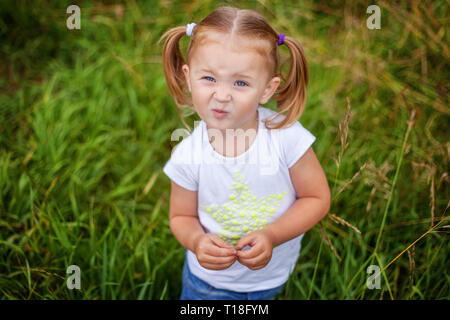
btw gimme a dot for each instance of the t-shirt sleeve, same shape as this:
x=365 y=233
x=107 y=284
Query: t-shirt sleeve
x=295 y=141
x=181 y=169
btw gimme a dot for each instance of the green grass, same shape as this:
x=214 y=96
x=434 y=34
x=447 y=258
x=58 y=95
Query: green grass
x=85 y=124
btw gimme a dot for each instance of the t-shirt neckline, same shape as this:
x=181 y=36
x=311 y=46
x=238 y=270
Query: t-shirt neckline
x=250 y=148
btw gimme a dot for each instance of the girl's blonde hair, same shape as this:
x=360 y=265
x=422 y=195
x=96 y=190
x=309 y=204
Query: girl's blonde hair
x=290 y=97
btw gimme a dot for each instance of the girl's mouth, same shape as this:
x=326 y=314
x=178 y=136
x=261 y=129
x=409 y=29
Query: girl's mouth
x=220 y=113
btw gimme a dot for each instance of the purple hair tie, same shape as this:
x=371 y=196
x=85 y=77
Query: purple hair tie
x=280 y=39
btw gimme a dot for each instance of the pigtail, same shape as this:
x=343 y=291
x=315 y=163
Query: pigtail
x=291 y=96
x=172 y=62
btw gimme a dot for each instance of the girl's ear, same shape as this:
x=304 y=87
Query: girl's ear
x=185 y=69
x=270 y=90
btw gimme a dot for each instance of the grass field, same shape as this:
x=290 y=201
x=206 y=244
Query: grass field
x=85 y=124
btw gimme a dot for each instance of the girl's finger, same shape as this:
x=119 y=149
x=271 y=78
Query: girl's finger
x=245 y=241
x=259 y=266
x=220 y=242
x=217 y=260
x=219 y=252
x=251 y=253
x=216 y=266
x=255 y=263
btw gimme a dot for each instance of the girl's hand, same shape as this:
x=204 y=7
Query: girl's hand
x=260 y=253
x=214 y=253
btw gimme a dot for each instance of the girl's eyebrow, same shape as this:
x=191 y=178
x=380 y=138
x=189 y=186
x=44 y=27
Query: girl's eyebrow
x=238 y=74
x=243 y=75
x=205 y=70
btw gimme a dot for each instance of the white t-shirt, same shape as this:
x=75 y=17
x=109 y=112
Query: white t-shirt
x=237 y=195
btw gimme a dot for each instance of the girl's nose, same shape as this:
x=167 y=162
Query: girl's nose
x=222 y=93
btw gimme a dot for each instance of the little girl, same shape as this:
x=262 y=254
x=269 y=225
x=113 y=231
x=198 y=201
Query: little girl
x=244 y=188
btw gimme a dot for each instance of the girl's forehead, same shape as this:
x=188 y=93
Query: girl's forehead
x=231 y=41
x=227 y=46
x=225 y=55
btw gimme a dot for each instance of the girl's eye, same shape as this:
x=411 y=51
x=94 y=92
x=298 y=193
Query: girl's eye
x=241 y=83
x=209 y=78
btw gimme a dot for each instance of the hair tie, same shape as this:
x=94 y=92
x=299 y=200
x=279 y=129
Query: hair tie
x=280 y=39
x=190 y=28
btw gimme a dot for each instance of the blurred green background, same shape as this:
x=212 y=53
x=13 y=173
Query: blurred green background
x=85 y=124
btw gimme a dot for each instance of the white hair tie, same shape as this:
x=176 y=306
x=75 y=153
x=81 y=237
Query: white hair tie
x=190 y=28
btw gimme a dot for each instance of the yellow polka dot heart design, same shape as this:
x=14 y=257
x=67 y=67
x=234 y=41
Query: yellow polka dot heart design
x=243 y=213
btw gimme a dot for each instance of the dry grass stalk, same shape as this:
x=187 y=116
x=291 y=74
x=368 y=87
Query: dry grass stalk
x=352 y=179
x=412 y=264
x=327 y=240
x=432 y=203
x=339 y=220
x=378 y=178
x=371 y=195
x=343 y=134
x=430 y=173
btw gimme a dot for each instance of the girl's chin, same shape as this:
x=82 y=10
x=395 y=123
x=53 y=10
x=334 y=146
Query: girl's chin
x=221 y=124
x=215 y=127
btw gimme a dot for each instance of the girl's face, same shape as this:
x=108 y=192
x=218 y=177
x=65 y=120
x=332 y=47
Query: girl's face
x=229 y=76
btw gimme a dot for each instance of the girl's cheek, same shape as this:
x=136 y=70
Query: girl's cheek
x=203 y=89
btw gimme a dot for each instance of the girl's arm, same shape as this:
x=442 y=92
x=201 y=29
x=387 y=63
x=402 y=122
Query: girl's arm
x=211 y=251
x=184 y=221
x=312 y=204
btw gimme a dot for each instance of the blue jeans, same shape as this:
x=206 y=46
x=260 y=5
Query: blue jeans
x=197 y=289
